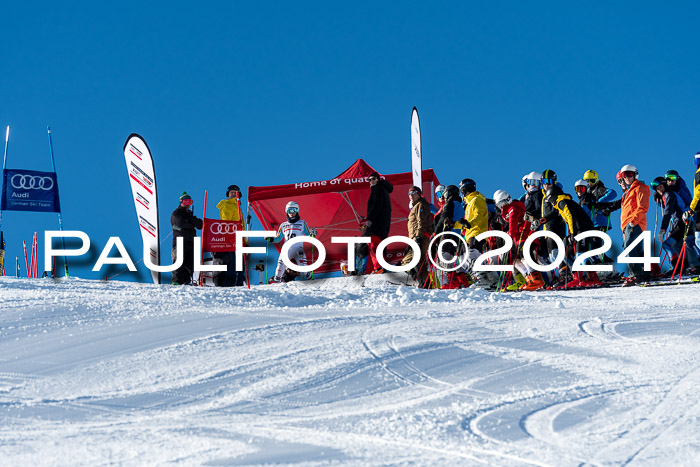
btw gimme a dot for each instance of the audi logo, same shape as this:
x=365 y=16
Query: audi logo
x=31 y=182
x=221 y=228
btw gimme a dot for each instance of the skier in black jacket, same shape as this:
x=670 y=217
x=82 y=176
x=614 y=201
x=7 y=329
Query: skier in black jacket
x=184 y=225
x=378 y=221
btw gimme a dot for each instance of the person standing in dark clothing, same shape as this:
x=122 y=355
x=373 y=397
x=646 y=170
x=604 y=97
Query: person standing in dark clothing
x=378 y=221
x=184 y=225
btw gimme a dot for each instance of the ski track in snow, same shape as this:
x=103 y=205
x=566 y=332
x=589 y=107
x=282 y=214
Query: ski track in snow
x=346 y=372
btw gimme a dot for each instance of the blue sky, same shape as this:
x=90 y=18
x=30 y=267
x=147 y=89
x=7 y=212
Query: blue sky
x=258 y=94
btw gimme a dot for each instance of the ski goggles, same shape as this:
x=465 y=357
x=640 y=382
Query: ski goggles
x=187 y=202
x=547 y=181
x=413 y=192
x=591 y=181
x=532 y=182
x=371 y=179
x=654 y=184
x=671 y=177
x=580 y=189
x=292 y=211
x=627 y=173
x=439 y=194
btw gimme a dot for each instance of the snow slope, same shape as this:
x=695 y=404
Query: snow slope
x=337 y=373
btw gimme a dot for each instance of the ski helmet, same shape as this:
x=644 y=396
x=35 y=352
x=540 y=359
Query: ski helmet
x=534 y=178
x=629 y=168
x=414 y=189
x=658 y=181
x=185 y=199
x=591 y=176
x=292 y=209
x=671 y=175
x=524 y=181
x=697 y=160
x=581 y=186
x=549 y=177
x=467 y=186
x=439 y=191
x=501 y=198
x=451 y=192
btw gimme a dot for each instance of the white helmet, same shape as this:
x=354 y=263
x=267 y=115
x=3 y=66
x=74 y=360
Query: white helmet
x=291 y=206
x=501 y=197
x=439 y=190
x=535 y=176
x=533 y=181
x=524 y=180
x=630 y=168
x=581 y=182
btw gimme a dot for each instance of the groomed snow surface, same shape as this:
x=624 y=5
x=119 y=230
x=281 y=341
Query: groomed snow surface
x=346 y=373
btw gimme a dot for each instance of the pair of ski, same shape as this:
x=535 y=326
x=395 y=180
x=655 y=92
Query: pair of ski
x=653 y=283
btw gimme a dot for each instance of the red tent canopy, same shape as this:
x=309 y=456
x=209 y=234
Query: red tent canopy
x=336 y=206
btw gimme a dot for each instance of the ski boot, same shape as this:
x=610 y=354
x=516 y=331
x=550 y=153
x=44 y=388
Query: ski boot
x=533 y=282
x=592 y=281
x=519 y=282
x=573 y=283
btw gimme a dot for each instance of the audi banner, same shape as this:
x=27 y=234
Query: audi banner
x=220 y=235
x=142 y=176
x=29 y=190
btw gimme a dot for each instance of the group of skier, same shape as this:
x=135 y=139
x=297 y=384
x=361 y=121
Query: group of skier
x=462 y=213
x=546 y=206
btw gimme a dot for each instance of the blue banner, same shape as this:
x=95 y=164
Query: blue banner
x=29 y=190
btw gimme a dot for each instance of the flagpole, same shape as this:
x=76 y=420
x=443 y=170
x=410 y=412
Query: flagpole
x=60 y=219
x=4 y=163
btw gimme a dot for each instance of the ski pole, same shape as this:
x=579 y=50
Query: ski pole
x=656 y=220
x=684 y=249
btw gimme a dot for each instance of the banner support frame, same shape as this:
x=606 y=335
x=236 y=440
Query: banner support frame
x=60 y=217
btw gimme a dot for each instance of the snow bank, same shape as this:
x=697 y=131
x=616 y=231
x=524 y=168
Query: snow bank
x=346 y=371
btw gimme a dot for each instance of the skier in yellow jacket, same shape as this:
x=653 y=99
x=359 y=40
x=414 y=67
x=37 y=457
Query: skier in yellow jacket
x=230 y=210
x=475 y=222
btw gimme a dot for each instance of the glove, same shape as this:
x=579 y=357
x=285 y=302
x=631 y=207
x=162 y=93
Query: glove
x=662 y=234
x=605 y=211
x=570 y=240
x=537 y=223
x=465 y=223
x=657 y=197
x=313 y=232
x=368 y=223
x=688 y=215
x=269 y=239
